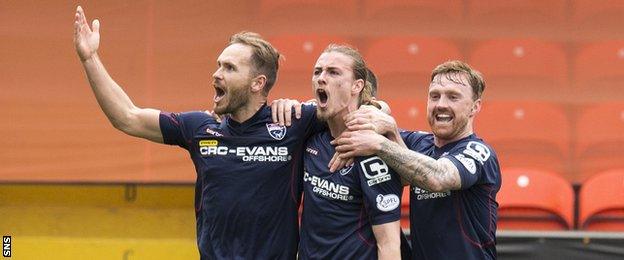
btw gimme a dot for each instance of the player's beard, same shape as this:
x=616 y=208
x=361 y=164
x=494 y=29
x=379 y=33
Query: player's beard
x=238 y=97
x=458 y=126
x=322 y=116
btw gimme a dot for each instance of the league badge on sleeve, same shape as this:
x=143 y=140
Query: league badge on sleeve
x=469 y=163
x=388 y=202
x=276 y=131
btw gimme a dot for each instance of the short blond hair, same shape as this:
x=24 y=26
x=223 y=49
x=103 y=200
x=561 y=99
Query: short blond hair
x=455 y=67
x=264 y=58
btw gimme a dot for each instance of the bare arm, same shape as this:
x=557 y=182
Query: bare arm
x=417 y=169
x=388 y=238
x=420 y=170
x=115 y=103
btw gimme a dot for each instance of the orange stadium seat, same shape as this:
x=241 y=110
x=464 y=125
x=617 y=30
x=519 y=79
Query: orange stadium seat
x=405 y=209
x=534 y=200
x=300 y=54
x=409 y=114
x=599 y=71
x=600 y=138
x=521 y=69
x=403 y=64
x=601 y=202
x=413 y=10
x=516 y=11
x=598 y=14
x=526 y=133
x=293 y=9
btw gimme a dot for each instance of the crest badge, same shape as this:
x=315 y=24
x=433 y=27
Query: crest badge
x=276 y=131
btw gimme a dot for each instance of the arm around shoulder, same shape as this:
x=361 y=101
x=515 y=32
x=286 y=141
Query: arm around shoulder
x=419 y=169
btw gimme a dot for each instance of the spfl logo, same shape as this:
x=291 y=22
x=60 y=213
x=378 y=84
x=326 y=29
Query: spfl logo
x=388 y=202
x=276 y=131
x=6 y=246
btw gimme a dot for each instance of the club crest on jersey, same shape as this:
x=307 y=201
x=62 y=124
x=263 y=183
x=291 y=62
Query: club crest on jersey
x=345 y=170
x=276 y=131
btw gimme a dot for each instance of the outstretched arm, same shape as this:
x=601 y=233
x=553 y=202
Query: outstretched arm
x=115 y=103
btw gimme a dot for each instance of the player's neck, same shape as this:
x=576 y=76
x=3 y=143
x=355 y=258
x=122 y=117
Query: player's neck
x=247 y=111
x=336 y=124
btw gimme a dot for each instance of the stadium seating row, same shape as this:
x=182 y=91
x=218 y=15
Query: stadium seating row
x=514 y=68
x=575 y=142
x=532 y=199
x=581 y=11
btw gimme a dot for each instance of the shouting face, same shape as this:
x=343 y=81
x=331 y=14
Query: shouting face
x=334 y=85
x=233 y=78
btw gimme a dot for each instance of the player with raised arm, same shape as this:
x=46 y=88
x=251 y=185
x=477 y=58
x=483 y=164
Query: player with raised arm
x=249 y=170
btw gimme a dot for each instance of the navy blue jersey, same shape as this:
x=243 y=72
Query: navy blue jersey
x=457 y=224
x=339 y=209
x=248 y=185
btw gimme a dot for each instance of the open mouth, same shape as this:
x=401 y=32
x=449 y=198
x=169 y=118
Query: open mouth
x=219 y=93
x=443 y=117
x=321 y=97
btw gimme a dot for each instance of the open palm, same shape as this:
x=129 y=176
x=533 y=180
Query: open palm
x=86 y=40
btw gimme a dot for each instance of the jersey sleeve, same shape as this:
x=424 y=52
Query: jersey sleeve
x=179 y=128
x=475 y=161
x=412 y=138
x=381 y=190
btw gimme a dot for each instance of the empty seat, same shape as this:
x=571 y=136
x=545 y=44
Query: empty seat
x=605 y=14
x=516 y=12
x=600 y=138
x=599 y=71
x=413 y=10
x=300 y=54
x=526 y=133
x=522 y=69
x=280 y=14
x=410 y=114
x=403 y=64
x=405 y=208
x=601 y=202
x=532 y=199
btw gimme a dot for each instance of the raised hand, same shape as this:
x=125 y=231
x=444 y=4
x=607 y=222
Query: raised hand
x=86 y=40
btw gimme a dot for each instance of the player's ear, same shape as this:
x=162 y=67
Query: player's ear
x=258 y=83
x=357 y=86
x=476 y=107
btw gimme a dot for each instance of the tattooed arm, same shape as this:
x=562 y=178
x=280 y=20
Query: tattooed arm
x=420 y=170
